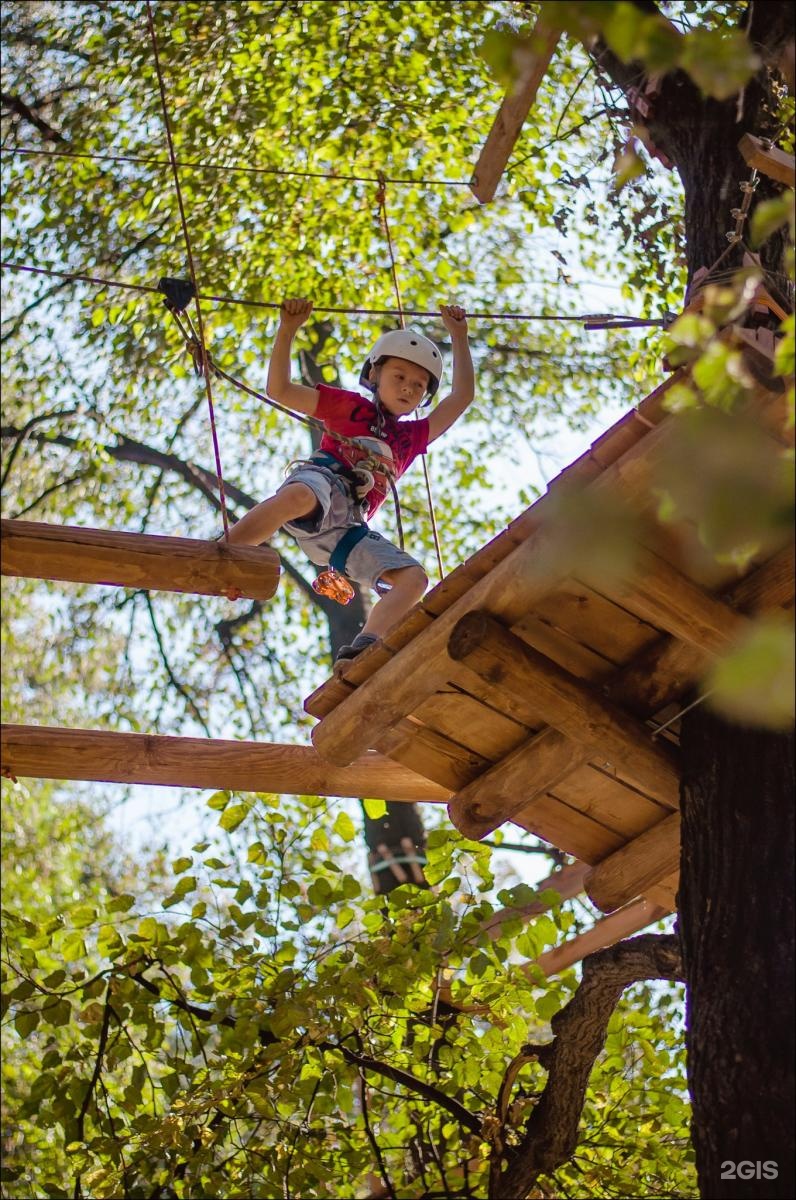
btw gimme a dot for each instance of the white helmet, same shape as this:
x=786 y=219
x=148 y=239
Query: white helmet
x=408 y=344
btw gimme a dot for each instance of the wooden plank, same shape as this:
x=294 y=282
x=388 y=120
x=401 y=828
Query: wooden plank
x=431 y=755
x=136 y=560
x=560 y=647
x=569 y=830
x=772 y=161
x=622 y=808
x=603 y=933
x=629 y=872
x=665 y=892
x=512 y=113
x=668 y=599
x=595 y=622
x=465 y=720
x=42 y=752
x=663 y=672
x=421 y=668
x=644 y=686
x=570 y=706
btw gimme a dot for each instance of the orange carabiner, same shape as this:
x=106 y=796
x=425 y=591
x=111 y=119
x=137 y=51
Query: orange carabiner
x=334 y=585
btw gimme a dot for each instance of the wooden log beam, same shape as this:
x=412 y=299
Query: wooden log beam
x=775 y=163
x=572 y=707
x=627 y=873
x=43 y=752
x=137 y=560
x=660 y=594
x=512 y=113
x=605 y=932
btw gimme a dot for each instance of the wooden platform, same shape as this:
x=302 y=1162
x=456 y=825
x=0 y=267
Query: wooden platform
x=530 y=684
x=137 y=560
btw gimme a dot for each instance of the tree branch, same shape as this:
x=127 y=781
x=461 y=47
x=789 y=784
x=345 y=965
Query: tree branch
x=551 y=1134
x=363 y=1061
x=81 y=1116
x=16 y=104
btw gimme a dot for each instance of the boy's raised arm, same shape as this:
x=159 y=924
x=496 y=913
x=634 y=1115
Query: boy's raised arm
x=280 y=387
x=462 y=390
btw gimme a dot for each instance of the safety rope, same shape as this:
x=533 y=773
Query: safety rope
x=191 y=269
x=381 y=197
x=245 y=302
x=227 y=167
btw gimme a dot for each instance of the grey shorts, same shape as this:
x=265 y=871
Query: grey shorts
x=318 y=535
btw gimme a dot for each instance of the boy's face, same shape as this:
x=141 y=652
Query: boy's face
x=402 y=385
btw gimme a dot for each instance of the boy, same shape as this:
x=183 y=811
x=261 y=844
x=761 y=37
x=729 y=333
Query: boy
x=324 y=502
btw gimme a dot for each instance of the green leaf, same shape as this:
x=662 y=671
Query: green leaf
x=233 y=817
x=26 y=1022
x=771 y=215
x=548 y=1005
x=344 y=827
x=755 y=683
x=219 y=800
x=375 y=809
x=181 y=864
x=344 y=917
x=319 y=840
x=721 y=62
x=82 y=916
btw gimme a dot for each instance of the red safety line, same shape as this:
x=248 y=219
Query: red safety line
x=381 y=196
x=192 y=271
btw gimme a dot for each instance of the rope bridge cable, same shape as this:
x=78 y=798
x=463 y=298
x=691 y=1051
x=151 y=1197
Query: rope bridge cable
x=245 y=302
x=381 y=197
x=145 y=160
x=191 y=268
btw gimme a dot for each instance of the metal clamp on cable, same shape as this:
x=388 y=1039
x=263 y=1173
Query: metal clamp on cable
x=178 y=293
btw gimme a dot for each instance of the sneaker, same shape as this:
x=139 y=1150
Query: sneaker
x=360 y=643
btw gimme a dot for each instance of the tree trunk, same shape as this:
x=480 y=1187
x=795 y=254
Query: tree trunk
x=736 y=929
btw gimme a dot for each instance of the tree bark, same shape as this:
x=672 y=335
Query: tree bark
x=736 y=881
x=736 y=928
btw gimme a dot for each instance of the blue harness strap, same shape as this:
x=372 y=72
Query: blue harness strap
x=352 y=537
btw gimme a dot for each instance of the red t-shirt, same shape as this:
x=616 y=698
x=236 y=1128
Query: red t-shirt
x=354 y=416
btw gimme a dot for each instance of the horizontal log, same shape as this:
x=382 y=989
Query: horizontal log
x=43 y=752
x=512 y=114
x=580 y=714
x=151 y=562
x=664 y=597
x=772 y=161
x=627 y=873
x=605 y=932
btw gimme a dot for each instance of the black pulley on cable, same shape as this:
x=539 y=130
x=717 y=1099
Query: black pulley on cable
x=178 y=293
